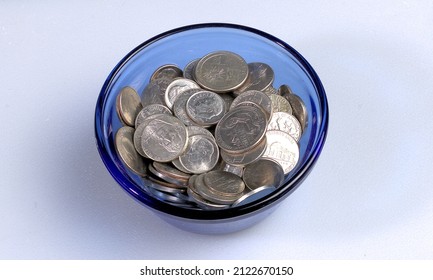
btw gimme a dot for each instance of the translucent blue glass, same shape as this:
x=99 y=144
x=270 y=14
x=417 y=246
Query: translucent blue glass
x=180 y=46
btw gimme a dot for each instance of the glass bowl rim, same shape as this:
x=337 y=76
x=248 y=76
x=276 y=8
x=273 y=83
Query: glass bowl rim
x=222 y=214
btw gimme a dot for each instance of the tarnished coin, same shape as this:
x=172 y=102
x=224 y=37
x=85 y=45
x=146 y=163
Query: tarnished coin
x=256 y=97
x=241 y=129
x=209 y=195
x=280 y=104
x=263 y=173
x=282 y=148
x=168 y=71
x=260 y=77
x=242 y=159
x=150 y=110
x=224 y=183
x=175 y=88
x=164 y=138
x=124 y=145
x=179 y=107
x=287 y=123
x=298 y=107
x=154 y=92
x=201 y=154
x=188 y=71
x=205 y=108
x=196 y=181
x=221 y=71
x=128 y=105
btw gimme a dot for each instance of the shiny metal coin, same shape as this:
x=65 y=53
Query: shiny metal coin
x=168 y=71
x=176 y=162
x=201 y=154
x=188 y=71
x=241 y=129
x=170 y=171
x=260 y=77
x=198 y=130
x=164 y=138
x=175 y=88
x=237 y=170
x=270 y=90
x=175 y=182
x=125 y=149
x=157 y=183
x=198 y=199
x=287 y=123
x=139 y=133
x=257 y=97
x=263 y=173
x=205 y=108
x=242 y=159
x=280 y=104
x=150 y=110
x=221 y=71
x=298 y=107
x=250 y=196
x=224 y=183
x=154 y=92
x=214 y=196
x=179 y=107
x=166 y=197
x=128 y=105
x=282 y=148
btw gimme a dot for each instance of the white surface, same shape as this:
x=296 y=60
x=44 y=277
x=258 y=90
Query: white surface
x=369 y=197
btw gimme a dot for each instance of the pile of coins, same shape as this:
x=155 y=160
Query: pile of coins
x=213 y=136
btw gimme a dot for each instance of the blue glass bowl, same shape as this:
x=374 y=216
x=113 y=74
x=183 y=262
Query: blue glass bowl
x=180 y=46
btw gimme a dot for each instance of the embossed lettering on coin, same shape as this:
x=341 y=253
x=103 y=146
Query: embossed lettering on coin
x=205 y=108
x=287 y=123
x=282 y=148
x=201 y=154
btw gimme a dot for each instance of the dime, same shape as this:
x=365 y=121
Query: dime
x=164 y=138
x=282 y=148
x=126 y=151
x=241 y=129
x=280 y=104
x=241 y=159
x=139 y=133
x=150 y=110
x=298 y=107
x=128 y=105
x=221 y=71
x=188 y=71
x=287 y=123
x=263 y=173
x=260 y=77
x=201 y=154
x=205 y=108
x=179 y=107
x=168 y=71
x=175 y=88
x=256 y=97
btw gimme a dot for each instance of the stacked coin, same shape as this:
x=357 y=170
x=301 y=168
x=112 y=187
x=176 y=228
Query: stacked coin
x=213 y=136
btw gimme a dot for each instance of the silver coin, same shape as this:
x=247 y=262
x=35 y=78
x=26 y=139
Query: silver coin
x=241 y=129
x=256 y=97
x=175 y=88
x=128 y=105
x=201 y=154
x=221 y=71
x=188 y=71
x=209 y=195
x=280 y=104
x=179 y=107
x=205 y=108
x=197 y=182
x=154 y=92
x=251 y=196
x=198 y=130
x=161 y=185
x=150 y=110
x=124 y=146
x=270 y=90
x=286 y=122
x=176 y=162
x=171 y=182
x=263 y=173
x=298 y=107
x=282 y=148
x=166 y=197
x=224 y=183
x=139 y=133
x=260 y=77
x=228 y=99
x=170 y=171
x=164 y=138
x=168 y=71
x=242 y=159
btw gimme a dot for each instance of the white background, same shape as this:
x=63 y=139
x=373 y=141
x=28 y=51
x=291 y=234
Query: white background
x=370 y=195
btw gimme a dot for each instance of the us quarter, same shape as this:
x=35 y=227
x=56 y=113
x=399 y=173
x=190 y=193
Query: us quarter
x=154 y=92
x=263 y=173
x=221 y=71
x=242 y=159
x=256 y=97
x=260 y=77
x=179 y=107
x=188 y=71
x=168 y=71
